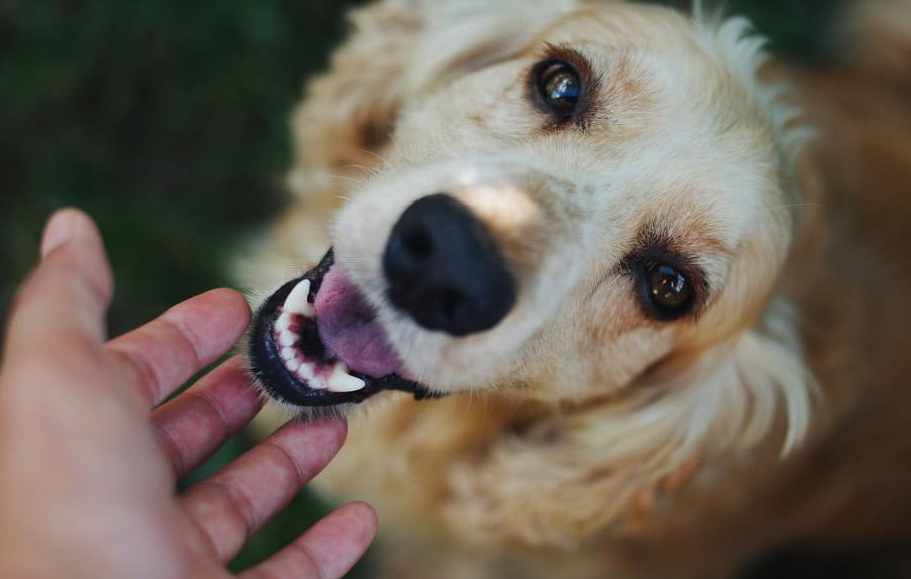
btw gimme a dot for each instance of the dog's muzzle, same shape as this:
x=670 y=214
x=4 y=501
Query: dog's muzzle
x=317 y=341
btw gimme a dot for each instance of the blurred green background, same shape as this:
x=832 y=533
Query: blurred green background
x=167 y=121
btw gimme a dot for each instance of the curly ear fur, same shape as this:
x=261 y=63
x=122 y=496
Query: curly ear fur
x=575 y=474
x=349 y=110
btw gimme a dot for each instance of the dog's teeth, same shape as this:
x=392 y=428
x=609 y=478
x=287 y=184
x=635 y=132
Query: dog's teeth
x=296 y=302
x=307 y=373
x=341 y=381
x=288 y=354
x=292 y=364
x=286 y=338
x=283 y=323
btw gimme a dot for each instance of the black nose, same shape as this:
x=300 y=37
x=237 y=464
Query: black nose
x=444 y=268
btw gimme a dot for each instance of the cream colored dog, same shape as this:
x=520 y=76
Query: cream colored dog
x=582 y=224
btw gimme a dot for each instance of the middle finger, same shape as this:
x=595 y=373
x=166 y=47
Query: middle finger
x=194 y=425
x=163 y=354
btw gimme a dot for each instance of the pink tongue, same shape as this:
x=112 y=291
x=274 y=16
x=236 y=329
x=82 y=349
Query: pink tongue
x=349 y=329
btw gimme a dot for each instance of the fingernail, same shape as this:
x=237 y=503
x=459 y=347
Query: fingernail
x=59 y=230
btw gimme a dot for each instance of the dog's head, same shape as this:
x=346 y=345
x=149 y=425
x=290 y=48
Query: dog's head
x=578 y=201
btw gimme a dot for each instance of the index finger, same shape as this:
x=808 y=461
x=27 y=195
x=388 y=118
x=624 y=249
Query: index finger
x=163 y=354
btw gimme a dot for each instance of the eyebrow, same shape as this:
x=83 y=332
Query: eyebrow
x=653 y=234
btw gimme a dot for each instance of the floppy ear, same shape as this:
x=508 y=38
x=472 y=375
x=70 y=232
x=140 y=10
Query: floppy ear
x=398 y=49
x=570 y=476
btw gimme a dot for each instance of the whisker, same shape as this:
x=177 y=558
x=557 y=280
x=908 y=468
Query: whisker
x=367 y=170
x=379 y=157
x=348 y=179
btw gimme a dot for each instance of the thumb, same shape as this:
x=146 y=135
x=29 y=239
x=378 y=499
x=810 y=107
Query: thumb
x=63 y=302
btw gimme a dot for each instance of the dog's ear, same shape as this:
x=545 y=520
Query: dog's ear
x=599 y=466
x=396 y=50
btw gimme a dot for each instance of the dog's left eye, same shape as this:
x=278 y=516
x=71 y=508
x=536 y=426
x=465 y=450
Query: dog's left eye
x=669 y=292
x=559 y=88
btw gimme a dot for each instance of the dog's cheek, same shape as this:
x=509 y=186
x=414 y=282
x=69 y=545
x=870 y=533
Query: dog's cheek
x=605 y=343
x=628 y=356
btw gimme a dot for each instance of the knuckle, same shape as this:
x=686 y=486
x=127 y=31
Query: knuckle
x=235 y=503
x=146 y=378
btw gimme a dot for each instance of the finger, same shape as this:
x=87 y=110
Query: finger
x=232 y=504
x=198 y=422
x=327 y=551
x=60 y=307
x=163 y=354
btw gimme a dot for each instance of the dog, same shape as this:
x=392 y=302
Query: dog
x=610 y=293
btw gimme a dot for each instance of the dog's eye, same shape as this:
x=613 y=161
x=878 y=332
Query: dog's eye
x=559 y=88
x=669 y=291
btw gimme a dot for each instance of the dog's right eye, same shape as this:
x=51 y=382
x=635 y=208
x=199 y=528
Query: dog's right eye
x=559 y=88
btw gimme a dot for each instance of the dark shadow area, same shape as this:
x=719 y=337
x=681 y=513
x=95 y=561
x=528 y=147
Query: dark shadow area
x=874 y=562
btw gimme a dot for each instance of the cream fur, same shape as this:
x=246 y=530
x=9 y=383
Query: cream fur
x=577 y=418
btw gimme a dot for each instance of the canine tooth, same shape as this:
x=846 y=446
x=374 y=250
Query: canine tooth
x=342 y=381
x=283 y=322
x=286 y=338
x=288 y=354
x=296 y=302
x=292 y=364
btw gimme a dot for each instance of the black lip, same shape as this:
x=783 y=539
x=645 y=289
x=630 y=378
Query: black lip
x=281 y=385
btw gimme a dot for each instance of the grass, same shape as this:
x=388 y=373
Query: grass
x=167 y=121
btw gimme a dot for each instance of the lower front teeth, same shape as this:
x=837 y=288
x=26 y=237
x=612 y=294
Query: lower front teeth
x=307 y=373
x=339 y=380
x=283 y=323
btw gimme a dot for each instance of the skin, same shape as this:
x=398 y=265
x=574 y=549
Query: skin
x=88 y=471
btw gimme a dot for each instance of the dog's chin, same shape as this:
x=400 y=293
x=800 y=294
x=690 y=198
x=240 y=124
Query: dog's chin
x=317 y=343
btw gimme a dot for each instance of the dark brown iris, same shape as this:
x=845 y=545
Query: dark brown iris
x=560 y=88
x=669 y=290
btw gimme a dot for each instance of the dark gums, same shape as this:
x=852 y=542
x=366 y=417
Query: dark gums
x=279 y=384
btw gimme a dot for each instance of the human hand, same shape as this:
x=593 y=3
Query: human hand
x=87 y=472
